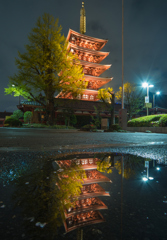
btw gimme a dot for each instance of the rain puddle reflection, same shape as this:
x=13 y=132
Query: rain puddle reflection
x=65 y=198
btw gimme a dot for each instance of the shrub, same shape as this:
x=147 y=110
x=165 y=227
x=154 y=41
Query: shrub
x=40 y=125
x=88 y=127
x=6 y=125
x=115 y=127
x=27 y=116
x=13 y=122
x=17 y=114
x=146 y=121
x=163 y=121
x=154 y=124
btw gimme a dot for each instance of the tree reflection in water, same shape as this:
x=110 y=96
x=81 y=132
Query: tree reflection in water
x=43 y=196
x=131 y=165
x=105 y=163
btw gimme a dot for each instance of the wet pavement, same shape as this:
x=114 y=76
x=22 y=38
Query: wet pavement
x=53 y=141
x=32 y=192
x=40 y=139
x=137 y=209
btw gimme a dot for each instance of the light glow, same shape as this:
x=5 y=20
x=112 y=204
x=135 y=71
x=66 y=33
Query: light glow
x=145 y=179
x=145 y=85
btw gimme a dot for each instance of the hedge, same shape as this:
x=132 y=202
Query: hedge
x=12 y=122
x=149 y=121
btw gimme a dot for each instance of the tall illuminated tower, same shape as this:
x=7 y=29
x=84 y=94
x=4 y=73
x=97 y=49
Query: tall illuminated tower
x=90 y=55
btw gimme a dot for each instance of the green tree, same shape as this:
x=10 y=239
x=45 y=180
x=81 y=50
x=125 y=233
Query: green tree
x=96 y=119
x=47 y=67
x=133 y=99
x=17 y=114
x=108 y=98
x=27 y=116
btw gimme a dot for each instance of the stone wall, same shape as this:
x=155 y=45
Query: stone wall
x=144 y=129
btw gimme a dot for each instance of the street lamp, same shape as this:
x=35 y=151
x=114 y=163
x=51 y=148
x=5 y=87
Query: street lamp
x=146 y=85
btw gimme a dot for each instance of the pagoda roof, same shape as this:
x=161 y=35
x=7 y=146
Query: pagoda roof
x=87 y=50
x=67 y=163
x=95 y=65
x=94 y=176
x=89 y=91
x=93 y=39
x=94 y=78
x=94 y=204
x=97 y=218
x=94 y=194
x=92 y=190
x=92 y=91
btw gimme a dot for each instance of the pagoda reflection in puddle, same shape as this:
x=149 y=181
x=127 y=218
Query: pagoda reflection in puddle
x=85 y=210
x=74 y=191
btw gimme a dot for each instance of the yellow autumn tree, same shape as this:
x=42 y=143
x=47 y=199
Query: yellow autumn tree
x=133 y=99
x=108 y=98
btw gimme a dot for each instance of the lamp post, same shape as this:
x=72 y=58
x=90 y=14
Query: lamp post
x=122 y=54
x=146 y=85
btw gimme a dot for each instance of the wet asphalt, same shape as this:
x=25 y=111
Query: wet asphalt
x=21 y=149
x=152 y=145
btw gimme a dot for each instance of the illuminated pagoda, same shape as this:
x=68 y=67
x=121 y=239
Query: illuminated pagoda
x=90 y=55
x=85 y=211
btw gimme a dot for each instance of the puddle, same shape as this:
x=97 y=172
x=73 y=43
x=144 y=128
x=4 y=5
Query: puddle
x=83 y=196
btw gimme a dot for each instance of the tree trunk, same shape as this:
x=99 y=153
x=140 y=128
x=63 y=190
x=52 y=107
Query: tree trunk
x=113 y=109
x=50 y=112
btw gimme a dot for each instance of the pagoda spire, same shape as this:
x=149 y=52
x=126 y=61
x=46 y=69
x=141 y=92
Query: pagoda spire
x=82 y=20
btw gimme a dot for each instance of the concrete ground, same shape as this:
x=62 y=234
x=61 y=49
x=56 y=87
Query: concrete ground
x=151 y=145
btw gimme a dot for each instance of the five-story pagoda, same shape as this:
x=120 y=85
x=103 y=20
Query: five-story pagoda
x=90 y=55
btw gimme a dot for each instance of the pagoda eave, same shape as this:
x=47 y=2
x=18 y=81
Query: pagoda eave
x=87 y=50
x=93 y=39
x=94 y=78
x=90 y=91
x=98 y=218
x=95 y=65
x=95 y=194
x=98 y=205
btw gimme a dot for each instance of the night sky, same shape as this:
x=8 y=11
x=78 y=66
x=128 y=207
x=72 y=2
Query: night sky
x=145 y=37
